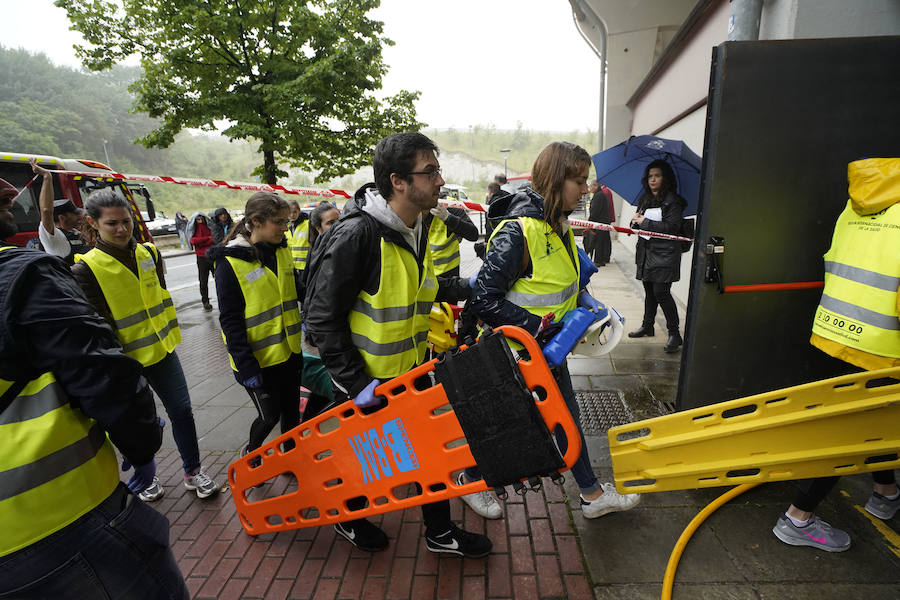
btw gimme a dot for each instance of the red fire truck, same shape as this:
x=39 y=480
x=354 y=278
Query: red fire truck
x=14 y=168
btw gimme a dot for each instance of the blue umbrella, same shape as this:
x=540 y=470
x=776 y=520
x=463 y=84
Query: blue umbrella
x=621 y=167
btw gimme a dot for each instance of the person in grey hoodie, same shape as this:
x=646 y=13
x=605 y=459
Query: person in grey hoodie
x=377 y=255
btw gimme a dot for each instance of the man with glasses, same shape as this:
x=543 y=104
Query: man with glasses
x=371 y=284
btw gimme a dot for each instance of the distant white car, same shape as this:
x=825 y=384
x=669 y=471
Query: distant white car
x=160 y=225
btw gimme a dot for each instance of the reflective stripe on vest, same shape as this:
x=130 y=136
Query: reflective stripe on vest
x=553 y=285
x=58 y=464
x=142 y=309
x=862 y=274
x=390 y=327
x=271 y=310
x=298 y=240
x=444 y=247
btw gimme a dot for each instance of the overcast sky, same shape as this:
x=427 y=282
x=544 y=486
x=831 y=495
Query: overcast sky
x=476 y=62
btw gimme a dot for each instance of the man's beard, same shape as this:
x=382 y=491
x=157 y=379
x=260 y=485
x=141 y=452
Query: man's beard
x=422 y=199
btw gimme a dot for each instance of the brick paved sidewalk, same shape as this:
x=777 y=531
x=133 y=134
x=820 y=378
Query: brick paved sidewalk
x=536 y=551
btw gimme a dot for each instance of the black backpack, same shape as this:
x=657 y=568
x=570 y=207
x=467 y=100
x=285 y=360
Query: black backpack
x=686 y=230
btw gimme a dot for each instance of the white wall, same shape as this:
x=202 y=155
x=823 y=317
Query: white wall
x=796 y=19
x=686 y=80
x=638 y=32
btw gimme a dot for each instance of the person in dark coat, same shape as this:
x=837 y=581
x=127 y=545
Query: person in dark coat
x=598 y=244
x=98 y=532
x=658 y=261
x=221 y=225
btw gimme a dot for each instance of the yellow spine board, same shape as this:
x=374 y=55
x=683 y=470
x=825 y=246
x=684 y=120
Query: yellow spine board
x=835 y=426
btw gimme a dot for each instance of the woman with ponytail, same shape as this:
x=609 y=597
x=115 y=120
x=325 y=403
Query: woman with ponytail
x=531 y=272
x=258 y=291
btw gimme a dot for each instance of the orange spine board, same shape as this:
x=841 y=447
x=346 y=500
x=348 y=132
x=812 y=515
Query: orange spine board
x=344 y=454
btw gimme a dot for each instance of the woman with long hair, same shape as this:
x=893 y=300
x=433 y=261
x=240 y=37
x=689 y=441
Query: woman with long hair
x=320 y=219
x=124 y=282
x=258 y=292
x=658 y=261
x=531 y=269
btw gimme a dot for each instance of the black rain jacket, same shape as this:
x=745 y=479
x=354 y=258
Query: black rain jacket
x=658 y=260
x=46 y=324
x=218 y=231
x=346 y=260
x=503 y=263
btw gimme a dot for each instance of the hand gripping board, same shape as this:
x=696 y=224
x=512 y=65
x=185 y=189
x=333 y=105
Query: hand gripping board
x=839 y=426
x=414 y=442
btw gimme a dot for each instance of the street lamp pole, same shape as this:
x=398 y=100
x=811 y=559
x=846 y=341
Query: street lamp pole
x=106 y=152
x=505 y=152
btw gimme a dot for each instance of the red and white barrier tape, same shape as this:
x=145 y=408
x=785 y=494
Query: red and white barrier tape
x=605 y=227
x=463 y=205
x=215 y=183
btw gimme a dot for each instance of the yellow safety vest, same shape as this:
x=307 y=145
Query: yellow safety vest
x=298 y=240
x=271 y=311
x=390 y=328
x=553 y=285
x=57 y=466
x=142 y=309
x=862 y=273
x=444 y=247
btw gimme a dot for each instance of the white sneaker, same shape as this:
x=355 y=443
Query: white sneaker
x=482 y=503
x=153 y=492
x=609 y=501
x=201 y=483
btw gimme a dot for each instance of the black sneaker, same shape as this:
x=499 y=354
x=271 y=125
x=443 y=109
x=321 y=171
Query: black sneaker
x=363 y=534
x=460 y=542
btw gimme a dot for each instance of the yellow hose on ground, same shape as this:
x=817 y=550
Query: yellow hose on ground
x=669 y=578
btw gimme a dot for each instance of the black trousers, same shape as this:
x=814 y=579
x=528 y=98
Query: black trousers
x=810 y=492
x=204 y=268
x=602 y=247
x=279 y=402
x=435 y=515
x=660 y=294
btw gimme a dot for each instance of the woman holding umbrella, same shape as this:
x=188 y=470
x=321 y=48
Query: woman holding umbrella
x=660 y=210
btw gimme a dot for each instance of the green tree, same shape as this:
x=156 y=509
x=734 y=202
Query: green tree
x=297 y=76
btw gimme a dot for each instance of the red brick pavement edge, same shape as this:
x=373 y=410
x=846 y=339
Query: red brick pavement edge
x=536 y=551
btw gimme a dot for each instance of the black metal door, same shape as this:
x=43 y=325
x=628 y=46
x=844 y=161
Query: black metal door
x=784 y=119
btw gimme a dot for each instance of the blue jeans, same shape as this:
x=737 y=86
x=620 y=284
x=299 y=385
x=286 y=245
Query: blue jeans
x=167 y=379
x=582 y=470
x=119 y=550
x=183 y=238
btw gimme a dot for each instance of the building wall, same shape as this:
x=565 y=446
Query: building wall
x=638 y=32
x=797 y=19
x=685 y=82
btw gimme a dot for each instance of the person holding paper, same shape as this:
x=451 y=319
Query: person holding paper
x=658 y=261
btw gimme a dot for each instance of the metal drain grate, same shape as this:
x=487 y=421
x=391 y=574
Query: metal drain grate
x=602 y=410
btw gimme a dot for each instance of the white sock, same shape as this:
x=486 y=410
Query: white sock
x=894 y=497
x=797 y=522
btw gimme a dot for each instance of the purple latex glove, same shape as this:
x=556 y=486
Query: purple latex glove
x=367 y=396
x=254 y=382
x=587 y=301
x=143 y=475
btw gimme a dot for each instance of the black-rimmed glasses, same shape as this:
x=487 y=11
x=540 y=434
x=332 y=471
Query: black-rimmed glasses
x=434 y=174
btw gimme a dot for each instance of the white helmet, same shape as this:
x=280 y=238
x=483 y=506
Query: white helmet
x=602 y=336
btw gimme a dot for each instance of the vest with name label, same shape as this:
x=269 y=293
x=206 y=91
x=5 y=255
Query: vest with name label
x=271 y=309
